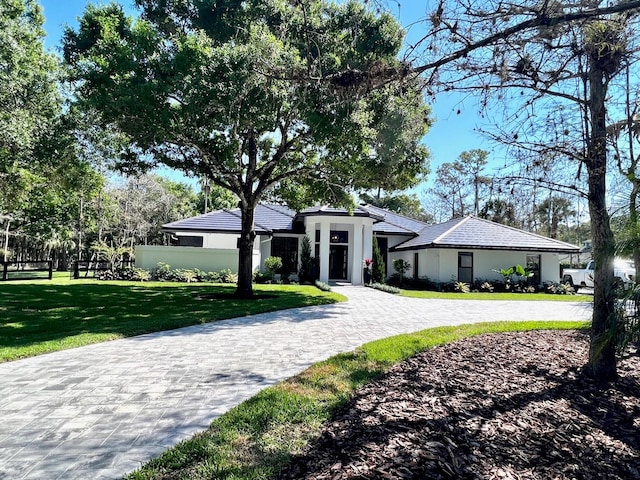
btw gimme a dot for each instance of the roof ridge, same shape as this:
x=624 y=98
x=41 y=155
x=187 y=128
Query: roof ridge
x=266 y=229
x=486 y=220
x=399 y=215
x=458 y=222
x=270 y=207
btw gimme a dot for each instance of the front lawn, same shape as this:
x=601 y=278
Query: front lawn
x=497 y=296
x=45 y=316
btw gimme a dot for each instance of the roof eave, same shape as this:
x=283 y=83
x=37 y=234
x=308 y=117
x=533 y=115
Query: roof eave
x=210 y=230
x=489 y=247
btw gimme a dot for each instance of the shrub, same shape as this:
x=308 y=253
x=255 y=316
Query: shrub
x=422 y=283
x=378 y=272
x=322 y=286
x=232 y=278
x=213 y=277
x=260 y=277
x=226 y=276
x=140 y=274
x=461 y=287
x=558 y=288
x=163 y=272
x=305 y=272
x=186 y=275
x=125 y=273
x=272 y=265
x=401 y=266
x=385 y=288
x=200 y=275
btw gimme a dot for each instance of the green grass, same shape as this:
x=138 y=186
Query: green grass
x=533 y=297
x=256 y=439
x=39 y=316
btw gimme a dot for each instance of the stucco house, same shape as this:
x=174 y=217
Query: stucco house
x=462 y=249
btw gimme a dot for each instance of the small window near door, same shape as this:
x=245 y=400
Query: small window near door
x=465 y=267
x=533 y=266
x=416 y=257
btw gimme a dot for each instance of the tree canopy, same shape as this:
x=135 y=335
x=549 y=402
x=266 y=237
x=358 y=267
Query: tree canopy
x=238 y=93
x=30 y=111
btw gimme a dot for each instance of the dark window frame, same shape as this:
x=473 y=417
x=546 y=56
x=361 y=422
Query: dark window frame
x=339 y=237
x=465 y=274
x=287 y=249
x=191 y=241
x=536 y=279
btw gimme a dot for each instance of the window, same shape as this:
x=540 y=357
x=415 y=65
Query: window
x=287 y=249
x=465 y=267
x=190 y=241
x=339 y=236
x=335 y=236
x=533 y=266
x=383 y=245
x=416 y=258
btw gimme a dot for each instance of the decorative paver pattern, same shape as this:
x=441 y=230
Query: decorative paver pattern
x=103 y=410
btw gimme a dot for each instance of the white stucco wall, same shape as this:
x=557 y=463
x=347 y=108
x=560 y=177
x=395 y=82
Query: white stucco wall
x=394 y=240
x=206 y=259
x=441 y=265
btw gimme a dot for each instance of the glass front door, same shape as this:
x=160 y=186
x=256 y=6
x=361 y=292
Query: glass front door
x=338 y=255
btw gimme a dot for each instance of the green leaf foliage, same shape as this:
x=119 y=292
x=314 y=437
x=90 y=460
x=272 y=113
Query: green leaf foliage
x=263 y=98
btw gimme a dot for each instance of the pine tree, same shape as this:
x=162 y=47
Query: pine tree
x=305 y=273
x=378 y=271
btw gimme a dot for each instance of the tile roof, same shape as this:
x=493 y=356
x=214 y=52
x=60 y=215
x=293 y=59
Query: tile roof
x=467 y=232
x=478 y=233
x=394 y=223
x=268 y=219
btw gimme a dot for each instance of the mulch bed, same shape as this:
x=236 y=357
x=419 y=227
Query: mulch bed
x=505 y=406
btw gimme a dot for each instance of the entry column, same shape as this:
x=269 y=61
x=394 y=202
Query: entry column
x=357 y=258
x=325 y=231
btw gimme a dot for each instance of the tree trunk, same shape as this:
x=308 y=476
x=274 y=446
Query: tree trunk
x=6 y=241
x=602 y=360
x=245 y=251
x=633 y=227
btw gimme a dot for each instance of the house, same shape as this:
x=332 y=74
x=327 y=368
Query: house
x=462 y=249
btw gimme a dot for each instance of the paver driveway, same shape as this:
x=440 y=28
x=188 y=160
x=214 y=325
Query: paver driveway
x=100 y=411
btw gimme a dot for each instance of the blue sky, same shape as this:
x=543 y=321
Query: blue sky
x=450 y=135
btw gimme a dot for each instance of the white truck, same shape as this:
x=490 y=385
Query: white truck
x=623 y=270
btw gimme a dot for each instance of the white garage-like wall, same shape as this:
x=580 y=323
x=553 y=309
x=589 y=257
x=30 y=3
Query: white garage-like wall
x=441 y=264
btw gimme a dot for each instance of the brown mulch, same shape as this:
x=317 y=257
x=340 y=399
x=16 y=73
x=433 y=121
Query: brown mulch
x=505 y=406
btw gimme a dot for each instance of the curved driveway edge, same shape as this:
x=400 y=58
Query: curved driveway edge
x=103 y=410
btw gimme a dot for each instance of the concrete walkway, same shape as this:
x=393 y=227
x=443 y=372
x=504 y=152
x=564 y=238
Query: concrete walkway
x=101 y=411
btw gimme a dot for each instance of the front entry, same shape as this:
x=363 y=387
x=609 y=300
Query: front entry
x=338 y=256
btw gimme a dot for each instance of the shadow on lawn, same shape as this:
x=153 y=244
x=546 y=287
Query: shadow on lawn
x=34 y=313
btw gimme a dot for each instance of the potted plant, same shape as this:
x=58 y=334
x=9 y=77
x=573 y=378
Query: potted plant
x=367 y=271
